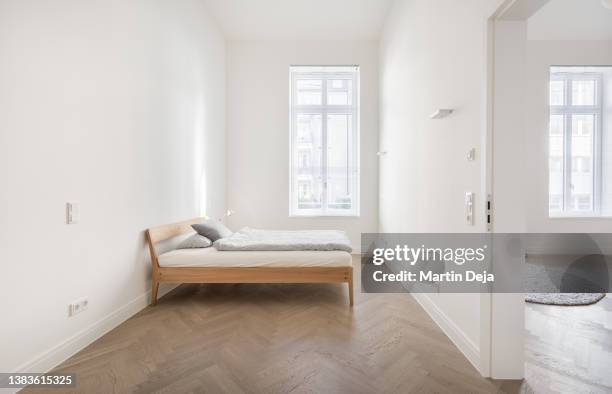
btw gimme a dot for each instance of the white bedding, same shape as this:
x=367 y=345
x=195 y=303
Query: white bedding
x=250 y=239
x=211 y=257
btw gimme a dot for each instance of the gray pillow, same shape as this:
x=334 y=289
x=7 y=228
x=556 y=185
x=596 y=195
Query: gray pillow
x=212 y=229
x=195 y=241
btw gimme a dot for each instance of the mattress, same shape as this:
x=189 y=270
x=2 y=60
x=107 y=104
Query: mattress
x=211 y=257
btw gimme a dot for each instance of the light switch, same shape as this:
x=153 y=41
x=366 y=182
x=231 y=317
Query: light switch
x=471 y=155
x=73 y=212
x=469 y=208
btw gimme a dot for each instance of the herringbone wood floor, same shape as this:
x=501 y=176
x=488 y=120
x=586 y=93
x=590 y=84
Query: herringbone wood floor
x=277 y=339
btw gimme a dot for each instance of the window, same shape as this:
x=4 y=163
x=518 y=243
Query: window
x=304 y=159
x=324 y=166
x=576 y=126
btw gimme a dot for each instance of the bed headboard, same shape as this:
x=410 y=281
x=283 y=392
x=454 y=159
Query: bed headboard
x=167 y=231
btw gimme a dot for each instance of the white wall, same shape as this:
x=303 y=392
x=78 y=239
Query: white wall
x=571 y=20
x=433 y=55
x=121 y=106
x=258 y=132
x=509 y=116
x=272 y=20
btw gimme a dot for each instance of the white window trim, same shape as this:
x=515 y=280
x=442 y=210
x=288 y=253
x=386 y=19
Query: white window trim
x=324 y=73
x=566 y=110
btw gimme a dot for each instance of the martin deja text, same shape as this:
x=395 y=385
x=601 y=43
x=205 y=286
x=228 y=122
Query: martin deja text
x=430 y=276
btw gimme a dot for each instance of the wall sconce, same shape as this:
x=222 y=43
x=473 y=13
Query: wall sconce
x=441 y=113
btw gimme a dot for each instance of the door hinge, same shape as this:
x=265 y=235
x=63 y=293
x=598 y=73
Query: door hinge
x=489 y=212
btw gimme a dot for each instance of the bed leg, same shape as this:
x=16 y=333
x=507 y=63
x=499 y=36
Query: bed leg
x=350 y=287
x=154 y=287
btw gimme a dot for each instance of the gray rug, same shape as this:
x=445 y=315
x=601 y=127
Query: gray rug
x=581 y=282
x=568 y=299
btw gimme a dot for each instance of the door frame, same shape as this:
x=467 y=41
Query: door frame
x=502 y=315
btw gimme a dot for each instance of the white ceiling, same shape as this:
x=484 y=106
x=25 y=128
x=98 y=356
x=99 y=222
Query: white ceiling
x=300 y=19
x=571 y=20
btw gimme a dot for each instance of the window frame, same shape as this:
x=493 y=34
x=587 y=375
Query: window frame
x=567 y=110
x=325 y=73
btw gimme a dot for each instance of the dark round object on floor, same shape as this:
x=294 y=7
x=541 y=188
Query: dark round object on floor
x=588 y=274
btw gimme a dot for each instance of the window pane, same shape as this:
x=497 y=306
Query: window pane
x=339 y=171
x=309 y=92
x=309 y=129
x=555 y=166
x=557 y=95
x=339 y=92
x=307 y=168
x=556 y=125
x=583 y=124
x=583 y=92
x=581 y=188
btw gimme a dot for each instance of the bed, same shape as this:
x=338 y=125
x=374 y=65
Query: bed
x=210 y=265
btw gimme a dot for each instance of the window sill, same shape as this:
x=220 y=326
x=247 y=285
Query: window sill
x=578 y=216
x=295 y=216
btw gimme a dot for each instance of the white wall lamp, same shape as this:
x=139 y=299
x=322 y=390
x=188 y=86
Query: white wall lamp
x=607 y=4
x=441 y=113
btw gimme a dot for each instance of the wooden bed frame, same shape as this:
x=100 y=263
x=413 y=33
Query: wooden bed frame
x=234 y=274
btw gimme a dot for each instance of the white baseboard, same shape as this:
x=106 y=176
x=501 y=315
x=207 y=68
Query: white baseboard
x=59 y=353
x=465 y=345
x=456 y=335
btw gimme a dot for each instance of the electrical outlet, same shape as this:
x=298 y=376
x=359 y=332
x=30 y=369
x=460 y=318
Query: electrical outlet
x=469 y=208
x=77 y=306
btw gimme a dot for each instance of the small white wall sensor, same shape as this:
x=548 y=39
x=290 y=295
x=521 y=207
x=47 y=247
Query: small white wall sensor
x=73 y=212
x=441 y=113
